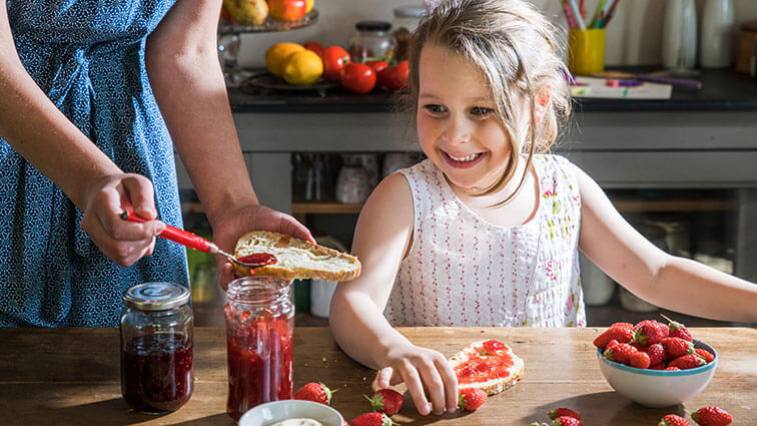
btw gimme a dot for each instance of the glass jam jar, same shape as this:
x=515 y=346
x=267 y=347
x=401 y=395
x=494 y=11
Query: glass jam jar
x=156 y=347
x=259 y=326
x=406 y=20
x=373 y=42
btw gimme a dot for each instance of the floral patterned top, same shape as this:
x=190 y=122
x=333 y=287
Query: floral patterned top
x=464 y=271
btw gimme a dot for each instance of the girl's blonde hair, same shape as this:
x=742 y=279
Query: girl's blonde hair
x=517 y=51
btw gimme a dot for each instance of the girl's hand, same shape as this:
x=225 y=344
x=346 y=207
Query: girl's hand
x=418 y=368
x=105 y=200
x=235 y=222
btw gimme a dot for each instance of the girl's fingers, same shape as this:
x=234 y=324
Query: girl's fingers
x=385 y=377
x=450 y=382
x=415 y=387
x=434 y=386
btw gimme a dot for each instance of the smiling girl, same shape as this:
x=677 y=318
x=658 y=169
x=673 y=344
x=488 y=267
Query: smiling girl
x=486 y=231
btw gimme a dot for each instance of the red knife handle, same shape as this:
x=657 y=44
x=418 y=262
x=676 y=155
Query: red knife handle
x=180 y=236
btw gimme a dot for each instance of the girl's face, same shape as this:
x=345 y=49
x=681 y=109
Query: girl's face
x=456 y=118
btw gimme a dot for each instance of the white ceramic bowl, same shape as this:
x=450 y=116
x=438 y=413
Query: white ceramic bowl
x=272 y=412
x=658 y=388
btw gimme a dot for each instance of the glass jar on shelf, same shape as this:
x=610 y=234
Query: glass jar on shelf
x=156 y=347
x=259 y=327
x=373 y=42
x=406 y=20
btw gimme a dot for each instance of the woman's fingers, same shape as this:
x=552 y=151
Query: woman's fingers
x=412 y=380
x=384 y=379
x=140 y=193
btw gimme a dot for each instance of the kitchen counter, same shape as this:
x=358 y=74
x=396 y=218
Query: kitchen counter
x=71 y=376
x=722 y=90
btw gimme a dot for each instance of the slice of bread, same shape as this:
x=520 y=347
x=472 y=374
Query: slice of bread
x=494 y=385
x=296 y=259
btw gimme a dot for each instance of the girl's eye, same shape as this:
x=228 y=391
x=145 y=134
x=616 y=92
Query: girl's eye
x=481 y=111
x=435 y=109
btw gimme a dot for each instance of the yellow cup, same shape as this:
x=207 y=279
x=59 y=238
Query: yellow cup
x=586 y=51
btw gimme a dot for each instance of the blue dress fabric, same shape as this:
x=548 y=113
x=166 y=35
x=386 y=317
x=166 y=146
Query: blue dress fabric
x=89 y=57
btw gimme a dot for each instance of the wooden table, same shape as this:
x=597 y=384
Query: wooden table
x=71 y=376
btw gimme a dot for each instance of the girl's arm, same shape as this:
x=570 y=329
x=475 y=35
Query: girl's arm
x=382 y=237
x=667 y=281
x=40 y=133
x=186 y=77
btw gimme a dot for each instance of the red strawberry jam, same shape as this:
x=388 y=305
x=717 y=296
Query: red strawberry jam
x=259 y=351
x=489 y=362
x=156 y=372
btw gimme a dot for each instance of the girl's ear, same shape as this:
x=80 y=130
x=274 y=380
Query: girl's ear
x=542 y=101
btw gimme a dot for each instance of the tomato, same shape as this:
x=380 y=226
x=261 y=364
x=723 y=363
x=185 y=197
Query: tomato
x=378 y=66
x=396 y=77
x=358 y=78
x=334 y=59
x=316 y=47
x=287 y=10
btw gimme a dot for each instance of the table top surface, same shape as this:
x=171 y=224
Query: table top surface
x=71 y=376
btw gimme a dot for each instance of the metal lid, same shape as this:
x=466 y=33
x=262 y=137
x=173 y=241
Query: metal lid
x=156 y=296
x=373 y=26
x=410 y=12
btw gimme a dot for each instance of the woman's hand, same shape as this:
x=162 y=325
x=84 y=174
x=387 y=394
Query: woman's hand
x=234 y=223
x=418 y=368
x=105 y=200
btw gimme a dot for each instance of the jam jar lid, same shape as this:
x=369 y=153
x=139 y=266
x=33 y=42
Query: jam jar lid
x=373 y=26
x=156 y=296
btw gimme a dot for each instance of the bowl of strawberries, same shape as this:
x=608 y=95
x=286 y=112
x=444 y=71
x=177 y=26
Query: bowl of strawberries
x=655 y=364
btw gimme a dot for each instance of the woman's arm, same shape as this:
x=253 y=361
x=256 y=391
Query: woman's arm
x=383 y=234
x=667 y=281
x=40 y=133
x=186 y=78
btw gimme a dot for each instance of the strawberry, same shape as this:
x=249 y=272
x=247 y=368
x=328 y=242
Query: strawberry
x=687 y=362
x=622 y=324
x=386 y=401
x=705 y=355
x=560 y=412
x=566 y=421
x=672 y=368
x=649 y=332
x=639 y=360
x=660 y=366
x=620 y=353
x=676 y=347
x=676 y=329
x=471 y=399
x=712 y=416
x=656 y=353
x=316 y=392
x=492 y=346
x=619 y=333
x=673 y=420
x=372 y=419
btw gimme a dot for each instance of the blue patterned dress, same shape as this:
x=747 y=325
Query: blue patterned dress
x=89 y=57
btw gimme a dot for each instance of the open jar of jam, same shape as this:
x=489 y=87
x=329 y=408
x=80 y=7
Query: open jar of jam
x=259 y=326
x=156 y=347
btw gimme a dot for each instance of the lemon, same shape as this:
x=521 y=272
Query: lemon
x=309 y=5
x=277 y=54
x=303 y=68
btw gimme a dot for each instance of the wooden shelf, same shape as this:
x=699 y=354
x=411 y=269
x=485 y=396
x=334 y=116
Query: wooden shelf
x=326 y=208
x=627 y=205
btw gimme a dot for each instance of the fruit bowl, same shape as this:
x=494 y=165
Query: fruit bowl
x=658 y=388
x=274 y=412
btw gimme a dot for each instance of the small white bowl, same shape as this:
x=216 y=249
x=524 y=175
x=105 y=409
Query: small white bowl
x=658 y=388
x=272 y=412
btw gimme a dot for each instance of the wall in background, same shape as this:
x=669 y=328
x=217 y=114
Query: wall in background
x=633 y=36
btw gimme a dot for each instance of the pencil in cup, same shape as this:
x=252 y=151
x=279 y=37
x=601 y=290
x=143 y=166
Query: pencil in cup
x=586 y=51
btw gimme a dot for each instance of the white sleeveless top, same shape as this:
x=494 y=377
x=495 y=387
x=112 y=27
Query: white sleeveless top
x=464 y=271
